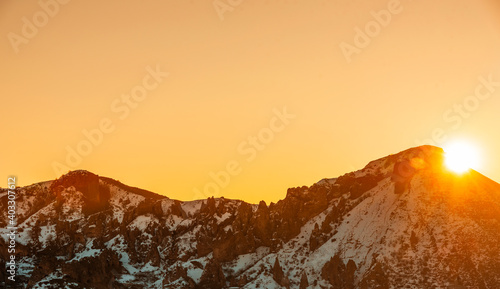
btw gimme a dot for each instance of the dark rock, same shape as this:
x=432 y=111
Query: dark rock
x=212 y=276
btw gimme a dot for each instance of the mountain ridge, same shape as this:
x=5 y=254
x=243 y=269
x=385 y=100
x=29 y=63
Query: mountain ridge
x=392 y=224
x=421 y=151
x=83 y=172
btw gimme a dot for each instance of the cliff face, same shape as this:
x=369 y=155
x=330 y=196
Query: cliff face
x=401 y=222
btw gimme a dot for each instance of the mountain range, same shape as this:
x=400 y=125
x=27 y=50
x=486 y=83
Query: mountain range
x=403 y=221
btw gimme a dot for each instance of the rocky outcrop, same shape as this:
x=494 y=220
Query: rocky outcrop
x=95 y=195
x=262 y=228
x=96 y=271
x=304 y=282
x=339 y=275
x=279 y=276
x=317 y=238
x=376 y=278
x=212 y=277
x=46 y=265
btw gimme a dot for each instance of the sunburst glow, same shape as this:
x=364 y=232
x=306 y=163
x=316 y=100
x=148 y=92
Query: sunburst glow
x=461 y=157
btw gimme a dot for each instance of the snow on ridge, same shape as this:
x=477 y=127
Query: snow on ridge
x=72 y=204
x=143 y=222
x=222 y=218
x=327 y=181
x=118 y=245
x=263 y=281
x=192 y=207
x=121 y=201
x=243 y=262
x=125 y=199
x=87 y=252
x=44 y=184
x=166 y=204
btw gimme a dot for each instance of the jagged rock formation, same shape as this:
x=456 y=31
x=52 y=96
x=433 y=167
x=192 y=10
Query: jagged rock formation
x=403 y=221
x=339 y=275
x=304 y=282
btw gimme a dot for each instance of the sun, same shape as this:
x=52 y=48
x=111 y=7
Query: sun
x=461 y=156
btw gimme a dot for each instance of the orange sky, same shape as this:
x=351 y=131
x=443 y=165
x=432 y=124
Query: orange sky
x=230 y=74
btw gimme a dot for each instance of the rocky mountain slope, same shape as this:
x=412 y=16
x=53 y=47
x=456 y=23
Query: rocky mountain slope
x=403 y=221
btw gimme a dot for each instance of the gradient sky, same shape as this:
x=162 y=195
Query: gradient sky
x=227 y=76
